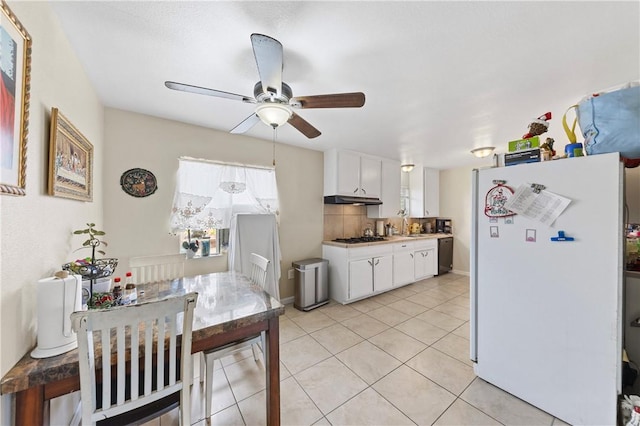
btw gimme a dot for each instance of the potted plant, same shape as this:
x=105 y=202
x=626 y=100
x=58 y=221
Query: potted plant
x=91 y=268
x=190 y=246
x=93 y=242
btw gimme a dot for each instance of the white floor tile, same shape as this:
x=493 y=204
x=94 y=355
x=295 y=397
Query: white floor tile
x=422 y=331
x=448 y=372
x=461 y=413
x=368 y=361
x=368 y=408
x=502 y=406
x=336 y=338
x=302 y=353
x=330 y=384
x=417 y=397
x=397 y=344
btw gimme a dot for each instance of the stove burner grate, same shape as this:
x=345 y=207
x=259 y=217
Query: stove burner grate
x=356 y=240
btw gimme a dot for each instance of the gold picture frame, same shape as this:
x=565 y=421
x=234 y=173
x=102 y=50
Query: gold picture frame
x=70 y=160
x=15 y=85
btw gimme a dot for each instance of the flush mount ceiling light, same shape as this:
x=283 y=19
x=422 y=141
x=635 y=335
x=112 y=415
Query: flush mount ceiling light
x=483 y=152
x=407 y=167
x=273 y=114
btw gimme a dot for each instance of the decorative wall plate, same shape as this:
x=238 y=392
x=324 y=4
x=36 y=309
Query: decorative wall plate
x=138 y=182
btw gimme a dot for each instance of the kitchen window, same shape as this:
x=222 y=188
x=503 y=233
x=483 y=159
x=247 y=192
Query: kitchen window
x=209 y=193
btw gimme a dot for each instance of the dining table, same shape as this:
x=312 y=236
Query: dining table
x=229 y=308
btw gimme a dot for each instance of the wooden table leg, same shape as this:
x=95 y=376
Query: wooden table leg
x=30 y=406
x=273 y=372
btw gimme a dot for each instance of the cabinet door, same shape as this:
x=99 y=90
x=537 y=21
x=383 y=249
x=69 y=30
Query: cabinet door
x=370 y=177
x=425 y=263
x=348 y=173
x=382 y=273
x=403 y=268
x=360 y=278
x=424 y=190
x=430 y=262
x=389 y=191
x=431 y=192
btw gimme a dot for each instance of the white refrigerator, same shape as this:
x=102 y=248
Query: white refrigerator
x=546 y=316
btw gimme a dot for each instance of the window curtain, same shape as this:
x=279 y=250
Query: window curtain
x=209 y=194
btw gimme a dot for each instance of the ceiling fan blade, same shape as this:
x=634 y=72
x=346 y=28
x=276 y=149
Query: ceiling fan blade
x=303 y=126
x=338 y=100
x=209 y=92
x=246 y=124
x=268 y=54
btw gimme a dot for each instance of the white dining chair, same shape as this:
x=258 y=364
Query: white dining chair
x=149 y=269
x=258 y=275
x=135 y=329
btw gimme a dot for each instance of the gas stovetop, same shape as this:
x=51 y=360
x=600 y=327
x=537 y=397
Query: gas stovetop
x=357 y=240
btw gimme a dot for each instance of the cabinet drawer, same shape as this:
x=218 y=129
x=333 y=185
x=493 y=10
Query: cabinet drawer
x=426 y=244
x=369 y=251
x=405 y=246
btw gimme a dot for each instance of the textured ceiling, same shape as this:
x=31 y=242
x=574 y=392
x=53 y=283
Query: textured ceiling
x=440 y=78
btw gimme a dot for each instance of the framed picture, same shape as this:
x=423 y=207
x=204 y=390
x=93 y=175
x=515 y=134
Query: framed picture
x=15 y=66
x=70 y=160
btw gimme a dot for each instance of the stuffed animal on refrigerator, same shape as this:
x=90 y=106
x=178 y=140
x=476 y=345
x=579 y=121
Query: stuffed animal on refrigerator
x=538 y=126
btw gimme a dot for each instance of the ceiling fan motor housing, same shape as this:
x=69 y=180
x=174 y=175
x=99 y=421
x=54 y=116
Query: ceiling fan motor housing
x=271 y=95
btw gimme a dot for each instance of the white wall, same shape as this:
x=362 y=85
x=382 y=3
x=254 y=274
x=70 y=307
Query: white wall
x=455 y=203
x=140 y=226
x=36 y=229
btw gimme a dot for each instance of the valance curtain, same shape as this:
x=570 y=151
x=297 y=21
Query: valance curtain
x=208 y=194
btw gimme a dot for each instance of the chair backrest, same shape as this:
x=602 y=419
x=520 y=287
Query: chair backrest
x=151 y=269
x=123 y=333
x=258 y=272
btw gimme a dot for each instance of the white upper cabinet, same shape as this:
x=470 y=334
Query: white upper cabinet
x=351 y=173
x=424 y=188
x=390 y=192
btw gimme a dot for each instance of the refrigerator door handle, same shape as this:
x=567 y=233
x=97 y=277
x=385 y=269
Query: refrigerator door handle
x=473 y=272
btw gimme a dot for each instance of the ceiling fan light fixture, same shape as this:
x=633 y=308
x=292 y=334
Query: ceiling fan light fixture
x=273 y=114
x=485 y=151
x=407 y=167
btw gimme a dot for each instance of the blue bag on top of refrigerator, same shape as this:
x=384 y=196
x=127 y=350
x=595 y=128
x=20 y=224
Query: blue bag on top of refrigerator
x=610 y=121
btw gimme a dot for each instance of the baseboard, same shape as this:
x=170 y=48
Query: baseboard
x=455 y=271
x=287 y=300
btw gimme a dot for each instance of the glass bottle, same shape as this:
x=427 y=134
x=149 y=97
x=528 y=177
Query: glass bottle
x=117 y=290
x=130 y=292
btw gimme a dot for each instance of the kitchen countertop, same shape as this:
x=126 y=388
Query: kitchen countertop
x=389 y=240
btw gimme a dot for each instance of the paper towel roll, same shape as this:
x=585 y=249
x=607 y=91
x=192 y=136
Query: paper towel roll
x=57 y=298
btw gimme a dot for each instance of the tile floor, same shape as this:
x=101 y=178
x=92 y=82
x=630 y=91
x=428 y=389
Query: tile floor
x=400 y=358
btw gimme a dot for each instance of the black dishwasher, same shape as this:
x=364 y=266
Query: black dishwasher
x=445 y=255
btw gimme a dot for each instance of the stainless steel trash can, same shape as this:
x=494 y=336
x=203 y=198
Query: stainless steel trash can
x=311 y=283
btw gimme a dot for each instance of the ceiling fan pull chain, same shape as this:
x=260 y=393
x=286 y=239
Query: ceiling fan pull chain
x=275 y=129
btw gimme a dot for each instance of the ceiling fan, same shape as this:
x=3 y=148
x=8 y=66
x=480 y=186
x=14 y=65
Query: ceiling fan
x=273 y=97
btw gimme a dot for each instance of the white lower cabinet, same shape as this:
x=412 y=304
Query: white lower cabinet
x=424 y=264
x=359 y=272
x=403 y=264
x=382 y=273
x=369 y=276
x=360 y=278
x=425 y=259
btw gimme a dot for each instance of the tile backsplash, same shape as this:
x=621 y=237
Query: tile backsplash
x=344 y=221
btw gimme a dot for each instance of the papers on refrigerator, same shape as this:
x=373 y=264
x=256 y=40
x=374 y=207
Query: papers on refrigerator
x=543 y=206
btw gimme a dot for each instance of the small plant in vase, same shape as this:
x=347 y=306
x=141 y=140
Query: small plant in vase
x=190 y=246
x=93 y=242
x=91 y=268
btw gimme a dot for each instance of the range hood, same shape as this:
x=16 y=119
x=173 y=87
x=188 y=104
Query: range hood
x=348 y=199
